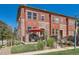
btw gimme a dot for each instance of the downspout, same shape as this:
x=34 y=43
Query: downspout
x=49 y=24
x=67 y=30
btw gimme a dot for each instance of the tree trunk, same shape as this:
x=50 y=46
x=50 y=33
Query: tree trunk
x=2 y=42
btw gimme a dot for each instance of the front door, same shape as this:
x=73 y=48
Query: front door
x=42 y=34
x=61 y=34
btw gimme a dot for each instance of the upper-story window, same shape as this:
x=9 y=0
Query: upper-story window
x=34 y=15
x=55 y=19
x=29 y=14
x=42 y=17
x=72 y=23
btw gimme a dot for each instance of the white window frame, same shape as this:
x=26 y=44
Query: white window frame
x=53 y=19
x=32 y=14
x=56 y=19
x=41 y=17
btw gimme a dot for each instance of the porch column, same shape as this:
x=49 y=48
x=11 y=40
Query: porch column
x=27 y=37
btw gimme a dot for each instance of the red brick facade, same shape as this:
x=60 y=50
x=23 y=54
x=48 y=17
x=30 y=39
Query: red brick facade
x=54 y=24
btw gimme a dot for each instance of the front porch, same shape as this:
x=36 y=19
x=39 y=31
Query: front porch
x=34 y=35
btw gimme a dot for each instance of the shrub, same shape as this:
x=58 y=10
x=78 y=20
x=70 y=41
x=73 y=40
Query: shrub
x=45 y=42
x=0 y=46
x=70 y=43
x=40 y=45
x=71 y=38
x=50 y=42
x=23 y=48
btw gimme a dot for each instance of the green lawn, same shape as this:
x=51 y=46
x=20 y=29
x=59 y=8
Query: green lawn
x=66 y=52
x=23 y=48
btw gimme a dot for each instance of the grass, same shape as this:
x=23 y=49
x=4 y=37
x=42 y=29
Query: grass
x=65 y=52
x=23 y=48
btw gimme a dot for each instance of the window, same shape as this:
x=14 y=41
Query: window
x=55 y=19
x=34 y=15
x=29 y=14
x=52 y=31
x=56 y=31
x=42 y=18
x=29 y=27
x=72 y=23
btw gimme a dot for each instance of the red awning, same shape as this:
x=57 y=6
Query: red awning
x=35 y=30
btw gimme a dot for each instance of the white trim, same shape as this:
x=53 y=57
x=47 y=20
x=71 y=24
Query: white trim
x=41 y=17
x=32 y=14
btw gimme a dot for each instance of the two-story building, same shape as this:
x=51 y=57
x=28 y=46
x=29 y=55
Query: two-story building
x=32 y=20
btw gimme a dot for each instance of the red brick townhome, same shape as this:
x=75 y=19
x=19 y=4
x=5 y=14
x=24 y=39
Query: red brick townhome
x=36 y=20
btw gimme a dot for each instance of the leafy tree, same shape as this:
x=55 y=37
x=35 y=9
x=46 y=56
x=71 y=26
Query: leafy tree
x=5 y=32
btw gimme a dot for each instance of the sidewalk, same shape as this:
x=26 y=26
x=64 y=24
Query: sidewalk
x=5 y=51
x=45 y=51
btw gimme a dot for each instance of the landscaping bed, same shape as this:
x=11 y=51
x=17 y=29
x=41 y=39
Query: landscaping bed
x=40 y=45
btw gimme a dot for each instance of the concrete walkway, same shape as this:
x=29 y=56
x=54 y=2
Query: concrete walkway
x=45 y=51
x=5 y=51
x=31 y=43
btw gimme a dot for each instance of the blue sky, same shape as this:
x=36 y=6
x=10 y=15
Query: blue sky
x=8 y=12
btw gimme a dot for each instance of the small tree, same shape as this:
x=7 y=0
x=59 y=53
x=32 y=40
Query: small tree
x=9 y=37
x=2 y=34
x=5 y=33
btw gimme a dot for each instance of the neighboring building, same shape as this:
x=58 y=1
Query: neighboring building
x=35 y=20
